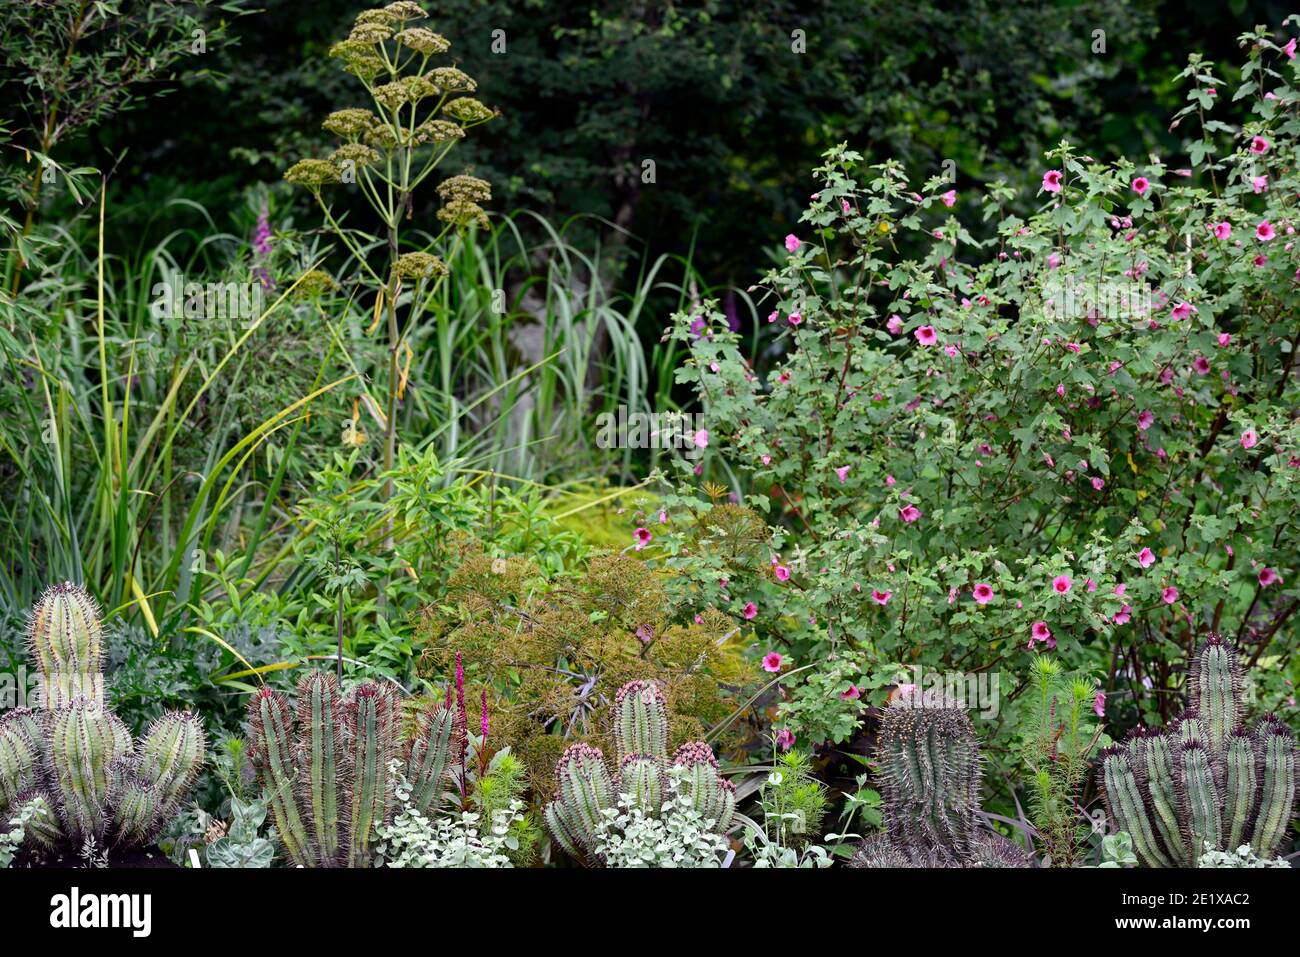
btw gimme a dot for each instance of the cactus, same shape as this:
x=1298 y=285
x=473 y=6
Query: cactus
x=929 y=783
x=77 y=759
x=328 y=774
x=1206 y=778
x=585 y=787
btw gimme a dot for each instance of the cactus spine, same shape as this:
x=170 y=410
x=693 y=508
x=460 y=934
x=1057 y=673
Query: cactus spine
x=929 y=780
x=328 y=774
x=1206 y=778
x=585 y=787
x=76 y=759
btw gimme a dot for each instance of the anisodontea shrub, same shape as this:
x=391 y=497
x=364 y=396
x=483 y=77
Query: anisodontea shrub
x=1076 y=437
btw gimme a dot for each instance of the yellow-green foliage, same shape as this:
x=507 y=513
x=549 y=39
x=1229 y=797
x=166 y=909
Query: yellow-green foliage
x=555 y=651
x=600 y=521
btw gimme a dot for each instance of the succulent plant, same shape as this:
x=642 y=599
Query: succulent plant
x=1205 y=780
x=328 y=771
x=76 y=759
x=586 y=788
x=929 y=784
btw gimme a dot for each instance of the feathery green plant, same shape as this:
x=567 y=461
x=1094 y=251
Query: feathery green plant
x=1206 y=780
x=75 y=760
x=587 y=790
x=930 y=767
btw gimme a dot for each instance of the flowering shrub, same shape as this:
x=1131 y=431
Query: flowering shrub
x=1079 y=434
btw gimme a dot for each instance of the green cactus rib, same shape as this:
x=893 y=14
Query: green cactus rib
x=641 y=721
x=168 y=759
x=318 y=719
x=429 y=756
x=272 y=756
x=1206 y=780
x=371 y=728
x=83 y=750
x=65 y=636
x=137 y=812
x=19 y=766
x=642 y=777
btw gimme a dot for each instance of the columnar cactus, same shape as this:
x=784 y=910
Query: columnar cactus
x=1206 y=778
x=929 y=781
x=76 y=759
x=328 y=775
x=586 y=788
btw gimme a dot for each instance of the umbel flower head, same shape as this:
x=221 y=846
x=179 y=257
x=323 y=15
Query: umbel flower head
x=354 y=153
x=312 y=173
x=419 y=266
x=313 y=284
x=351 y=123
x=423 y=40
x=466 y=109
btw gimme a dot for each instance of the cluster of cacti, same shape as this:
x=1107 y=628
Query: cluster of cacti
x=587 y=788
x=328 y=775
x=929 y=777
x=1205 y=779
x=76 y=759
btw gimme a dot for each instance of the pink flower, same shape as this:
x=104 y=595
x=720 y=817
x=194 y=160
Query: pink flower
x=1062 y=584
x=1181 y=311
x=983 y=593
x=785 y=739
x=1146 y=558
x=1040 y=632
x=1052 y=181
x=1223 y=230
x=795 y=319
x=772 y=662
x=792 y=243
x=909 y=513
x=1224 y=339
x=1145 y=420
x=1259 y=184
x=926 y=335
x=1268 y=575
x=949 y=198
x=843 y=473
x=1099 y=704
x=1259 y=145
x=643 y=538
x=663 y=517
x=751 y=611
x=853 y=694
x=1170 y=595
x=1098 y=483
x=782 y=573
x=1090 y=585
x=1249 y=439
x=1289 y=49
x=1265 y=231
x=701 y=439
x=1141 y=185
x=1123 y=616
x=894 y=325
x=1121 y=588
x=890 y=480
x=1201 y=365
x=881 y=597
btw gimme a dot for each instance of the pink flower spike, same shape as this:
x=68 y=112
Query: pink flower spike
x=1170 y=595
x=881 y=597
x=751 y=611
x=643 y=538
x=792 y=243
x=1052 y=181
x=772 y=662
x=1062 y=584
x=983 y=593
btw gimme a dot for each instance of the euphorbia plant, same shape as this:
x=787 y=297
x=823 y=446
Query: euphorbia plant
x=1076 y=435
x=419 y=113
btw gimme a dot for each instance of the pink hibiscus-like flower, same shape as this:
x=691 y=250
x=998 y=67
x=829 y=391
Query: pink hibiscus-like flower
x=1146 y=558
x=1258 y=145
x=1265 y=232
x=949 y=198
x=1145 y=420
x=1201 y=365
x=1124 y=614
x=1052 y=181
x=751 y=611
x=1259 y=184
x=1039 y=631
x=843 y=473
x=1223 y=230
x=1181 y=311
x=785 y=739
x=881 y=597
x=894 y=325
x=1062 y=584
x=1268 y=576
x=1098 y=483
x=772 y=662
x=782 y=573
x=1224 y=339
x=983 y=593
x=795 y=319
x=1169 y=595
x=1249 y=439
x=909 y=513
x=1289 y=49
x=701 y=439
x=1099 y=704
x=853 y=694
x=643 y=538
x=926 y=335
x=1141 y=185
x=792 y=243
